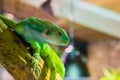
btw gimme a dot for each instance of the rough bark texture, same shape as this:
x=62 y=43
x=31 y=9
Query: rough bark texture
x=11 y=49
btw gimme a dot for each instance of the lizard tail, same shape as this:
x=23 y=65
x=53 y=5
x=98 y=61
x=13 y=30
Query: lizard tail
x=7 y=21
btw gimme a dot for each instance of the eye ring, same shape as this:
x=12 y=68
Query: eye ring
x=59 y=33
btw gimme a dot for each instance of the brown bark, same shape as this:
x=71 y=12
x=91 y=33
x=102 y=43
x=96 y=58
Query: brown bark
x=11 y=49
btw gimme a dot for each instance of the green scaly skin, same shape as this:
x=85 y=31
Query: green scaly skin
x=38 y=33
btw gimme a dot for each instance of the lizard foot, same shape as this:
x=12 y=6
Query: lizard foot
x=35 y=62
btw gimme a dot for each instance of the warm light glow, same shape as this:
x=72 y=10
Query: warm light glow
x=9 y=15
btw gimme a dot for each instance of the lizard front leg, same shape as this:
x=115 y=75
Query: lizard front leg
x=36 y=57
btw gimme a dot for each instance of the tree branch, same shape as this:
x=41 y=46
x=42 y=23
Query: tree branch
x=14 y=56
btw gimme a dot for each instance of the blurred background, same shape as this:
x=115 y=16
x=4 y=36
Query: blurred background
x=93 y=27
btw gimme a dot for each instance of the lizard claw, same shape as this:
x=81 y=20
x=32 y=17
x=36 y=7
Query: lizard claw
x=35 y=62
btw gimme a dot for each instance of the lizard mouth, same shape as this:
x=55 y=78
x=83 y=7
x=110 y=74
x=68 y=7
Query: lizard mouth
x=59 y=43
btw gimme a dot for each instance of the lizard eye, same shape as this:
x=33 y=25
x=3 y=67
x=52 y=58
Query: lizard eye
x=47 y=32
x=59 y=33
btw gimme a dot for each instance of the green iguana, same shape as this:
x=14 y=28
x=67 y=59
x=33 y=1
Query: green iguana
x=38 y=33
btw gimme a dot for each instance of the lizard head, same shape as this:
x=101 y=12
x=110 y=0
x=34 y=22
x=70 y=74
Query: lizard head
x=55 y=35
x=44 y=31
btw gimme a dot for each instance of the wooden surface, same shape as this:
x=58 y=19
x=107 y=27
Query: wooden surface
x=89 y=35
x=113 y=5
x=22 y=10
